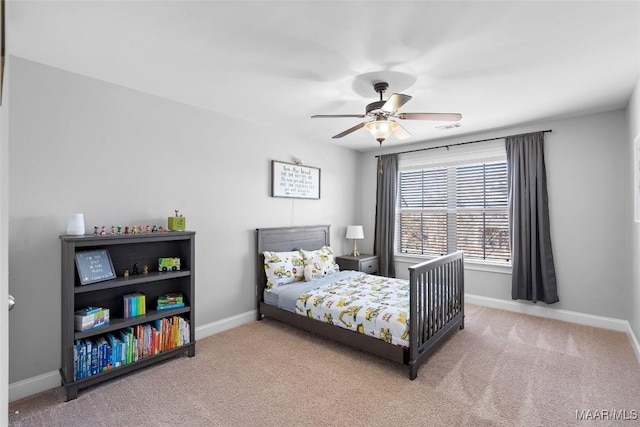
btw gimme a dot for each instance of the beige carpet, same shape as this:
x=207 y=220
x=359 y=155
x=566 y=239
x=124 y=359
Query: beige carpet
x=503 y=369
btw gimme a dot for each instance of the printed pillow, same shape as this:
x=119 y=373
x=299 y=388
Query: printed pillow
x=326 y=254
x=315 y=269
x=282 y=268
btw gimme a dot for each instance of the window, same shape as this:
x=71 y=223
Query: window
x=459 y=204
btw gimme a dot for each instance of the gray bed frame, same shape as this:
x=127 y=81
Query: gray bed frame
x=436 y=299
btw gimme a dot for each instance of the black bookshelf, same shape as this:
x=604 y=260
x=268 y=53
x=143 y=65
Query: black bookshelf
x=125 y=250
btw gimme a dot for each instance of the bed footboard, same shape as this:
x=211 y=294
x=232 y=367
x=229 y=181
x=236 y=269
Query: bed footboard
x=436 y=305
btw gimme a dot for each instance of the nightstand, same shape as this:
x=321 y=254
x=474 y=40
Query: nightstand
x=364 y=262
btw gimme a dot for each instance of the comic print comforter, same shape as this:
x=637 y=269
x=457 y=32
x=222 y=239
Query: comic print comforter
x=372 y=305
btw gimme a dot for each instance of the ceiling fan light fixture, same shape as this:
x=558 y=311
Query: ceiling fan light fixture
x=381 y=111
x=381 y=129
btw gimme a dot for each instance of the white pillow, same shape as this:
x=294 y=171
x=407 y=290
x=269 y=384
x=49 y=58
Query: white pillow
x=315 y=269
x=326 y=254
x=282 y=268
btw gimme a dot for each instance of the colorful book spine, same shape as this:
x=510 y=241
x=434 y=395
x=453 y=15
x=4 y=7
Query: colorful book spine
x=114 y=356
x=169 y=301
x=124 y=337
x=103 y=354
x=90 y=317
x=88 y=354
x=170 y=306
x=77 y=362
x=128 y=345
x=134 y=304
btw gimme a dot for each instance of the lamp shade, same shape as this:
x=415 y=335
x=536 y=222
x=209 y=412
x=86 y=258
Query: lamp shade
x=381 y=129
x=355 y=232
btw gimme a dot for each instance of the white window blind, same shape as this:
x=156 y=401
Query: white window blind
x=454 y=201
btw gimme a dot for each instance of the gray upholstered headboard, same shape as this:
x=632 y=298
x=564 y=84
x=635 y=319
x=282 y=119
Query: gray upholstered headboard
x=284 y=239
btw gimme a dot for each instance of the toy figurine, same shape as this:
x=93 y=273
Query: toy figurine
x=126 y=274
x=113 y=230
x=134 y=229
x=148 y=228
x=119 y=229
x=154 y=229
x=126 y=229
x=135 y=269
x=95 y=230
x=145 y=270
x=103 y=230
x=161 y=229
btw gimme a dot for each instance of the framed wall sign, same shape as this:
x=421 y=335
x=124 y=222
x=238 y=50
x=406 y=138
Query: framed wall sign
x=297 y=181
x=94 y=266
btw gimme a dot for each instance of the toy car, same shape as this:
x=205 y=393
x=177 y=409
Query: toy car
x=168 y=264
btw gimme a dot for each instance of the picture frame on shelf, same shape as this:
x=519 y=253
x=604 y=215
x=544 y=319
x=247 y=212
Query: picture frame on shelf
x=94 y=266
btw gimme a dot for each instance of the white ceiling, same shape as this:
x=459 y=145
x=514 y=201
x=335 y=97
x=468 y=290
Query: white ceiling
x=277 y=63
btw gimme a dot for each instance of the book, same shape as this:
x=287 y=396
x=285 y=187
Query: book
x=88 y=310
x=134 y=304
x=88 y=358
x=104 y=360
x=170 y=306
x=75 y=361
x=79 y=361
x=90 y=317
x=116 y=350
x=170 y=299
x=126 y=339
x=92 y=356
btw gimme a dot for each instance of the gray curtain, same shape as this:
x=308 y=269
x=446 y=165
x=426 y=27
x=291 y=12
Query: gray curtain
x=386 y=213
x=534 y=277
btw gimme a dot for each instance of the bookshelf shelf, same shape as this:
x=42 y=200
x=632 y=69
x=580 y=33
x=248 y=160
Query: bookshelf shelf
x=73 y=386
x=130 y=281
x=121 y=322
x=125 y=251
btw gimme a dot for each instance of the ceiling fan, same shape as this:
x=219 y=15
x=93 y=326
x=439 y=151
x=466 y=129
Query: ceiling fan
x=382 y=111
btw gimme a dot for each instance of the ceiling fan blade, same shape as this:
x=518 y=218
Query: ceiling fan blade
x=395 y=101
x=331 y=116
x=348 y=131
x=401 y=133
x=448 y=117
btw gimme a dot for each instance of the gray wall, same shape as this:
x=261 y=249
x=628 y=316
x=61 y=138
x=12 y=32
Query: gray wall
x=589 y=182
x=121 y=156
x=633 y=113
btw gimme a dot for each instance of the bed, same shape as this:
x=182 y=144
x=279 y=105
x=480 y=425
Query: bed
x=435 y=289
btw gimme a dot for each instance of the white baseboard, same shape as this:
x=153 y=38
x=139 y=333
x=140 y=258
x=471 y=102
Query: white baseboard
x=558 y=314
x=634 y=342
x=213 y=328
x=34 y=385
x=49 y=380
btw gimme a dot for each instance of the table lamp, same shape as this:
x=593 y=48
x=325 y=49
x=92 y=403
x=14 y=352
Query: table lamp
x=355 y=232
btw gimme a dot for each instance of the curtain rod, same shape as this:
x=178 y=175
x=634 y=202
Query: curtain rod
x=465 y=143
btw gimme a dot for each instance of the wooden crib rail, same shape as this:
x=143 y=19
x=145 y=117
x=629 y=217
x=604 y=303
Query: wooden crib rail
x=436 y=304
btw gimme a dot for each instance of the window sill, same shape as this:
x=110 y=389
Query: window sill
x=475 y=265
